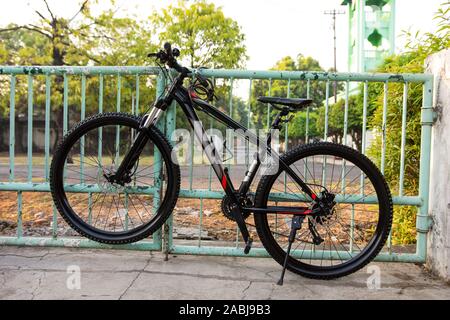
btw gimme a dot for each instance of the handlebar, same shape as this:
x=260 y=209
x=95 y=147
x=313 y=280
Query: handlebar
x=168 y=56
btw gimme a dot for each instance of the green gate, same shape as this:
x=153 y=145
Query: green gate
x=135 y=78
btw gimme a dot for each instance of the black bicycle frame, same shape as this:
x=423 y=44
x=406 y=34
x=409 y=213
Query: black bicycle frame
x=187 y=101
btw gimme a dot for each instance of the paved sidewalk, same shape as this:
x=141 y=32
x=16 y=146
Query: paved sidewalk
x=41 y=273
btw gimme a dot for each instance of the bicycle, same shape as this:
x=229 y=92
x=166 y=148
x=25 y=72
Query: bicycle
x=343 y=226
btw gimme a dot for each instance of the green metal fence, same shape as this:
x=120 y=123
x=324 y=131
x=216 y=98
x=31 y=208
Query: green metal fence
x=137 y=78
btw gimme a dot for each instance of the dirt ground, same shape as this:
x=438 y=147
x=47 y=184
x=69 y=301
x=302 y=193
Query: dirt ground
x=37 y=217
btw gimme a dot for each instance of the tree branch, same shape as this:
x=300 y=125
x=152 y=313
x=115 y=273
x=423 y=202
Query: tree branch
x=35 y=29
x=41 y=15
x=80 y=10
x=48 y=8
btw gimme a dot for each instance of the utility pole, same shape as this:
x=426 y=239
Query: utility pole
x=334 y=13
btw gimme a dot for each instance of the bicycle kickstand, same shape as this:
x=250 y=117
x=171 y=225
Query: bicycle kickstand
x=296 y=225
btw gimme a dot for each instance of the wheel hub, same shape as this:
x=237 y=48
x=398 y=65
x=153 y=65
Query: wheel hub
x=107 y=184
x=326 y=205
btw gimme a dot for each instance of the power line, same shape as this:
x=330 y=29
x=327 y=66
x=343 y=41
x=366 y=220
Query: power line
x=334 y=13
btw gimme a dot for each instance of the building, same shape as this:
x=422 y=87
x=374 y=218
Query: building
x=371 y=33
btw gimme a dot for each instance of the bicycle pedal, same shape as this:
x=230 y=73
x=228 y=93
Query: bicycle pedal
x=248 y=246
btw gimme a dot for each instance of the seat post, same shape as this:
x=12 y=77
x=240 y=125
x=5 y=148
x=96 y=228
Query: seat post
x=276 y=124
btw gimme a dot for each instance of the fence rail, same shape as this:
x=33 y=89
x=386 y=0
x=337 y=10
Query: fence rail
x=128 y=85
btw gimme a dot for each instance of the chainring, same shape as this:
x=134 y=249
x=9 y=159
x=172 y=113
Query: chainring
x=226 y=207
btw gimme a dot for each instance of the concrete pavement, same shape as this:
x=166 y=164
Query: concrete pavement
x=64 y=273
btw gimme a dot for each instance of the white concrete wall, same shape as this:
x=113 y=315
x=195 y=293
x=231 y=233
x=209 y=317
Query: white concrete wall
x=438 y=254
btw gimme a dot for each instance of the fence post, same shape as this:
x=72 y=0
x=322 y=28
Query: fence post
x=438 y=253
x=168 y=226
x=158 y=236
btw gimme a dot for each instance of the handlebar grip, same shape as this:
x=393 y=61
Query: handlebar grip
x=168 y=48
x=176 y=52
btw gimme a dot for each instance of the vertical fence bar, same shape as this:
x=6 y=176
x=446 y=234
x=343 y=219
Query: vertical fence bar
x=19 y=214
x=247 y=142
x=211 y=122
x=137 y=94
x=30 y=128
x=211 y=126
x=364 y=124
x=100 y=130
x=325 y=131
x=200 y=223
x=90 y=208
x=268 y=105
x=364 y=130
x=383 y=128
x=12 y=122
x=82 y=116
x=308 y=94
x=422 y=222
x=127 y=213
x=191 y=163
x=170 y=128
x=229 y=143
x=65 y=109
x=286 y=129
x=47 y=125
x=352 y=227
x=54 y=223
x=347 y=89
x=403 y=143
x=160 y=87
x=249 y=103
x=327 y=106
x=65 y=104
x=119 y=97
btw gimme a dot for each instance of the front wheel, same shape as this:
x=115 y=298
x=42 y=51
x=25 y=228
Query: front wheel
x=335 y=242
x=99 y=209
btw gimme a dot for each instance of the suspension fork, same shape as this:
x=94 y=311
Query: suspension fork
x=139 y=142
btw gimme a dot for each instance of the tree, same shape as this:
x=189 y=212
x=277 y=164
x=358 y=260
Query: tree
x=80 y=39
x=205 y=37
x=296 y=89
x=336 y=114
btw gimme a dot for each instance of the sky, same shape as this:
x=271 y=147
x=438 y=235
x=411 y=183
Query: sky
x=273 y=28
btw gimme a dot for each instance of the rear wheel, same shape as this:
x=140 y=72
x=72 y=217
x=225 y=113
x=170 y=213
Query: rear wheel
x=350 y=234
x=99 y=209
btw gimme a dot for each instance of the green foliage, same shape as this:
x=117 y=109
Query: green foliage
x=419 y=47
x=206 y=37
x=106 y=39
x=336 y=115
x=294 y=89
x=84 y=39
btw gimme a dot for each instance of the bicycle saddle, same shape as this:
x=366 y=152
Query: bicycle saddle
x=293 y=104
